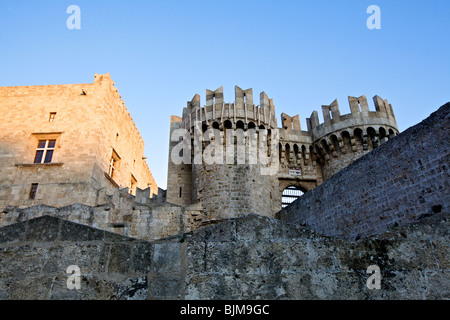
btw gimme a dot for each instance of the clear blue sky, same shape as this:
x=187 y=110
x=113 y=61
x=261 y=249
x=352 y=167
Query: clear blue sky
x=301 y=53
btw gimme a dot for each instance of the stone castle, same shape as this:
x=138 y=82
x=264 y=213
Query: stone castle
x=305 y=158
x=328 y=202
x=61 y=157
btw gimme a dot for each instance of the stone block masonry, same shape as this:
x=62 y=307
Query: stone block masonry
x=122 y=215
x=400 y=182
x=96 y=145
x=232 y=189
x=252 y=257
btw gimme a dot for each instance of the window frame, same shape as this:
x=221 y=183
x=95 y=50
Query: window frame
x=43 y=159
x=40 y=136
x=113 y=163
x=133 y=185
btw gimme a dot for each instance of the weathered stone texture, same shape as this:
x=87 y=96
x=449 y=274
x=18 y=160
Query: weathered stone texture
x=147 y=222
x=400 y=182
x=251 y=257
x=91 y=121
x=34 y=266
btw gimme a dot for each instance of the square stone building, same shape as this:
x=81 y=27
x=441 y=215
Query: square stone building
x=66 y=144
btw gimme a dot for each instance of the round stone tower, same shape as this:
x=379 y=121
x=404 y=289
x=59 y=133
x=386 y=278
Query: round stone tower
x=228 y=175
x=342 y=139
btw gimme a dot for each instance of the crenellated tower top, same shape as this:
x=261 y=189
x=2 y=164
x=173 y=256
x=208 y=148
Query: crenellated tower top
x=242 y=113
x=360 y=115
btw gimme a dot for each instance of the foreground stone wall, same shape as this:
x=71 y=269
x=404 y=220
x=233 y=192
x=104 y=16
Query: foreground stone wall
x=252 y=257
x=36 y=254
x=139 y=221
x=400 y=182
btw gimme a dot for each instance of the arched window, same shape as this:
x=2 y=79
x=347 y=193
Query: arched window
x=347 y=141
x=296 y=154
x=290 y=194
x=287 y=152
x=239 y=125
x=358 y=133
x=382 y=132
x=280 y=155
x=312 y=154
x=215 y=125
x=325 y=146
x=227 y=124
x=304 y=155
x=373 y=139
x=391 y=133
x=251 y=125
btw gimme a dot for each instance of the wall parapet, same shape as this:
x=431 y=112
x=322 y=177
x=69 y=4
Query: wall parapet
x=360 y=116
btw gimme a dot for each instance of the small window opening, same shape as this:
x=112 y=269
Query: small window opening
x=33 y=190
x=113 y=162
x=52 y=116
x=133 y=184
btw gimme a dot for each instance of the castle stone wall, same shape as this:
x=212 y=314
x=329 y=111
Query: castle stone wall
x=251 y=257
x=119 y=213
x=400 y=182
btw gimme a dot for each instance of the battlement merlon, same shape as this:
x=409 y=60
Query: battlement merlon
x=290 y=123
x=243 y=96
x=194 y=103
x=335 y=113
x=383 y=106
x=313 y=121
x=214 y=97
x=358 y=104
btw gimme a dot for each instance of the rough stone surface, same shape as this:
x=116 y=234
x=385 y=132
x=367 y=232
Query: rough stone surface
x=123 y=216
x=251 y=257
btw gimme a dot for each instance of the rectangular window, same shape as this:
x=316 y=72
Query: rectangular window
x=112 y=166
x=44 y=151
x=52 y=116
x=133 y=183
x=33 y=190
x=113 y=163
